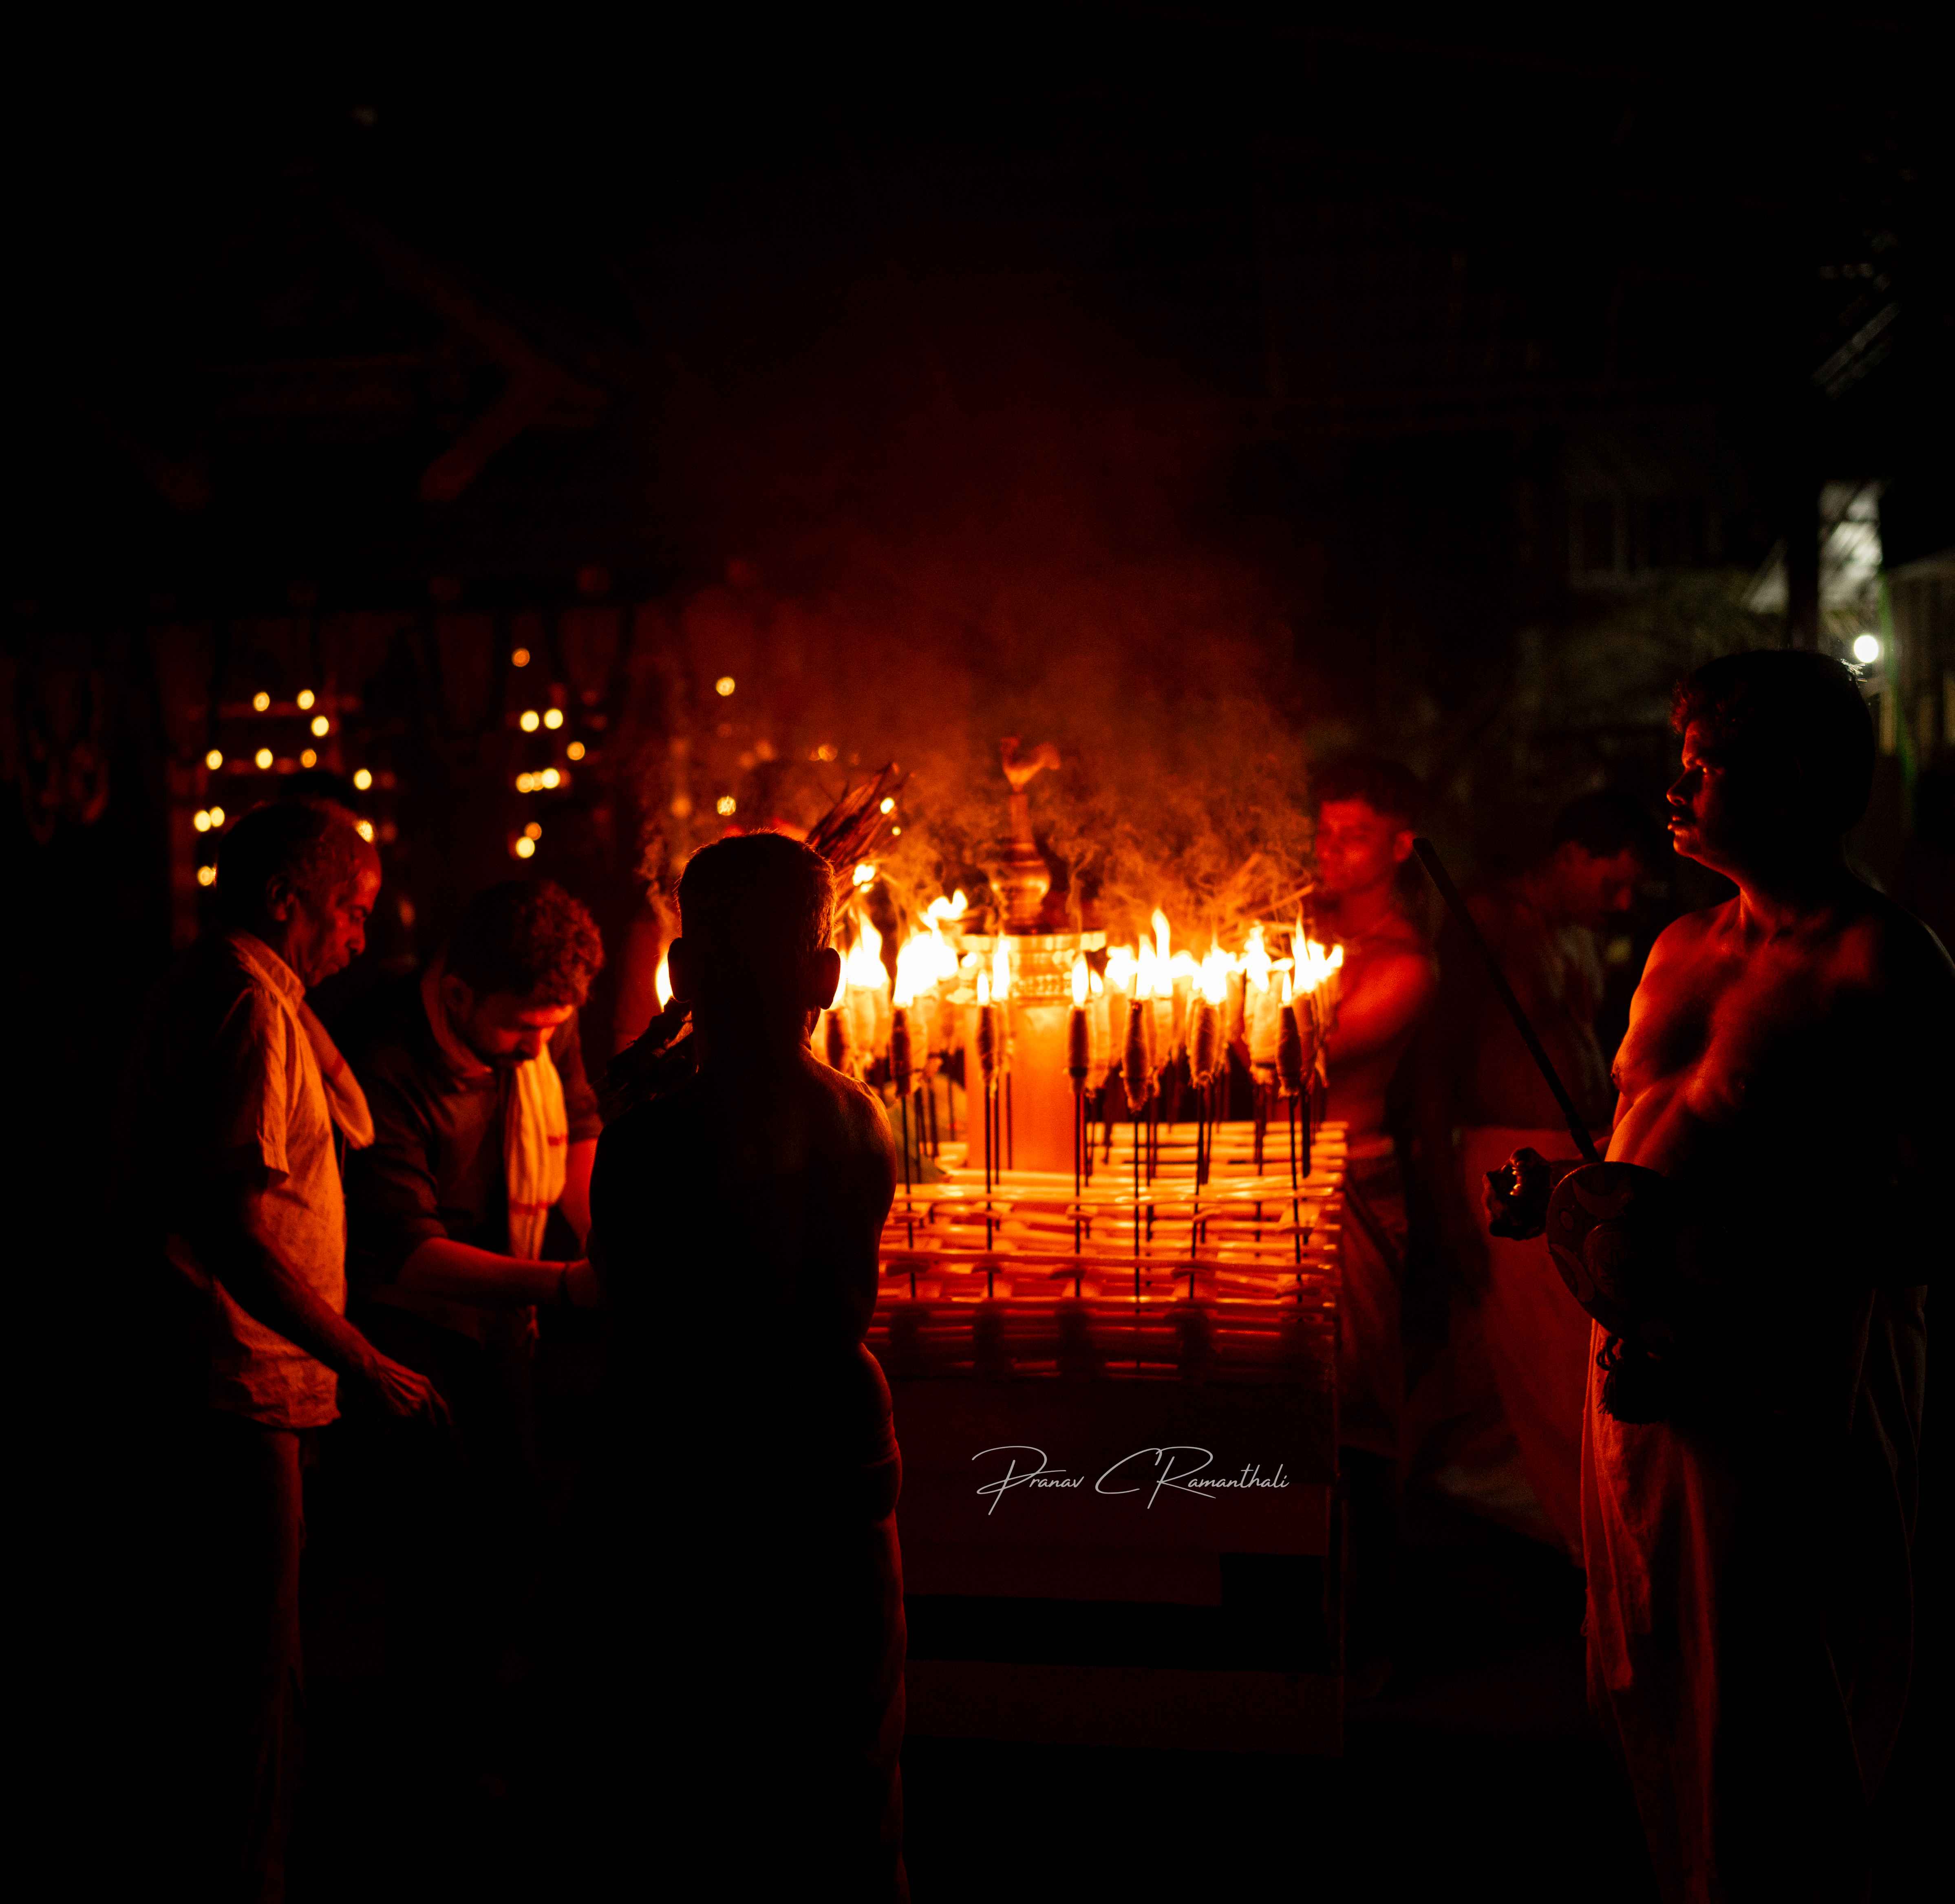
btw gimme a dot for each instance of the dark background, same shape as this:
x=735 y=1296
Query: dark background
x=1459 y=388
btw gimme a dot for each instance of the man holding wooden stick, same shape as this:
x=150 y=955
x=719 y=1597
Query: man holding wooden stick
x=1759 y=1240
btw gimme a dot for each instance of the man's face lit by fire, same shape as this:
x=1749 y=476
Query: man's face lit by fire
x=1713 y=809
x=1358 y=847
x=325 y=928
x=502 y=1028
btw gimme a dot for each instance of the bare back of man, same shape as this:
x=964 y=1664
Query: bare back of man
x=750 y=1579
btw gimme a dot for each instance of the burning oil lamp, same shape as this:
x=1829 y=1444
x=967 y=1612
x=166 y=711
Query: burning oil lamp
x=1079 y=1061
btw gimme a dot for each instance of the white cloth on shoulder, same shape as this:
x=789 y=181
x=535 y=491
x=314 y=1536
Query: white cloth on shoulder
x=536 y=1130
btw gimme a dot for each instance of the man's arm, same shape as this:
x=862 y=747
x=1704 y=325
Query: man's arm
x=461 y=1273
x=237 y=1251
x=396 y=1214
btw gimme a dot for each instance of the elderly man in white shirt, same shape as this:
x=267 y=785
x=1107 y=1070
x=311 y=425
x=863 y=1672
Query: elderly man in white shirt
x=244 y=1107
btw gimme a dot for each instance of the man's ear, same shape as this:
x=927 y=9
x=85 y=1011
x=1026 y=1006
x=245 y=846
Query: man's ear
x=280 y=899
x=457 y=995
x=1401 y=846
x=824 y=979
x=678 y=971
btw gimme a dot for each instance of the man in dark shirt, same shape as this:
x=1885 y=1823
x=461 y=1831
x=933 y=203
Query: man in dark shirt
x=748 y=1609
x=485 y=1127
x=1481 y=1098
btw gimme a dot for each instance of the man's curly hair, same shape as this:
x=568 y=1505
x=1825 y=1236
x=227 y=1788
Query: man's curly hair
x=1795 y=714
x=530 y=938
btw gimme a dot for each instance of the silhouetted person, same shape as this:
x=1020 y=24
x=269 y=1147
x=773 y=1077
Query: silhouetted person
x=1749 y=1471
x=483 y=1126
x=237 y=1109
x=751 y=1587
x=1366 y=812
x=1481 y=1098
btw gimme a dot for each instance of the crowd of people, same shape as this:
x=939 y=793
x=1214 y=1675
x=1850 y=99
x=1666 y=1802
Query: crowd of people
x=1726 y=1437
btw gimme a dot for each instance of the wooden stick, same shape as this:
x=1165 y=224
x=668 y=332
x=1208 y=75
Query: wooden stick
x=1428 y=857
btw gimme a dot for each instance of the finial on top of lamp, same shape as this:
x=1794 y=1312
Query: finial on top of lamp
x=1019 y=875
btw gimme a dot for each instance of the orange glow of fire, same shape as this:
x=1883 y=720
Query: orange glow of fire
x=1080 y=988
x=1214 y=981
x=662 y=982
x=1001 y=970
x=863 y=964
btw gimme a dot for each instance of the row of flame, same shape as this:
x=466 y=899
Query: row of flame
x=928 y=959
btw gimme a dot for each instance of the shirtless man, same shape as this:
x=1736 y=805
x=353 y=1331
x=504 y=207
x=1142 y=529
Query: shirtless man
x=1366 y=812
x=1480 y=1099
x=750 y=1581
x=1786 y=1071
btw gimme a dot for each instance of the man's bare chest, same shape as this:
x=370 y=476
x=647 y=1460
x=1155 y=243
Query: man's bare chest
x=1738 y=1035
